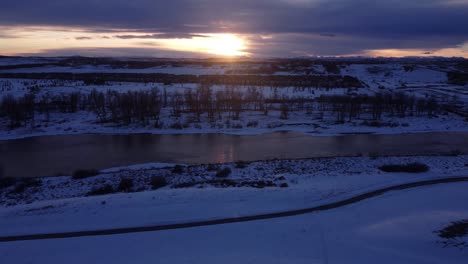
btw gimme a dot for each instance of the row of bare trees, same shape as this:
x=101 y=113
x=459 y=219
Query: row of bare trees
x=129 y=107
x=394 y=104
x=144 y=107
x=19 y=111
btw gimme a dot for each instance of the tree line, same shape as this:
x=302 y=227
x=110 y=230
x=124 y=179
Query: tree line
x=318 y=81
x=144 y=107
x=347 y=108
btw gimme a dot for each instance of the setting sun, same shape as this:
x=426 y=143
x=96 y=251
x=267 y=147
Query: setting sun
x=226 y=45
x=217 y=44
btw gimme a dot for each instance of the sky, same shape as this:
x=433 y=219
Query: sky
x=250 y=28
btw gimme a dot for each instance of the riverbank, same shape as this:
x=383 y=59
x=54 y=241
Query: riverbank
x=161 y=194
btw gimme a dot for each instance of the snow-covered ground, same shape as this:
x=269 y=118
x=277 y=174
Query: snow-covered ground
x=395 y=228
x=391 y=76
x=85 y=123
x=61 y=203
x=422 y=81
x=310 y=122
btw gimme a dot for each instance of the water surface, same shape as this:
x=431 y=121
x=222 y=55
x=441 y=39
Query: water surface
x=53 y=155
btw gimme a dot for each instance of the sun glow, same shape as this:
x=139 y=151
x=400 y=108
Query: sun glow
x=218 y=44
x=227 y=45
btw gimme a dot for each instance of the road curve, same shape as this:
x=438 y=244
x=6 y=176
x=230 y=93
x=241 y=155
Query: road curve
x=324 y=207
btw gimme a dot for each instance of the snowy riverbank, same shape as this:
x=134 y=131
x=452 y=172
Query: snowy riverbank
x=195 y=192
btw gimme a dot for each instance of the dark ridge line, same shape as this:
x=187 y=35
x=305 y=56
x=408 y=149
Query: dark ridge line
x=324 y=207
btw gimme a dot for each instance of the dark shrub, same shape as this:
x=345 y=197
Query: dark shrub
x=177 y=126
x=7 y=182
x=275 y=125
x=456 y=152
x=125 y=185
x=241 y=164
x=408 y=68
x=31 y=182
x=4 y=181
x=284 y=185
x=178 y=169
x=454 y=230
x=81 y=174
x=224 y=183
x=19 y=188
x=185 y=185
x=106 y=189
x=223 y=173
x=261 y=184
x=211 y=167
x=411 y=168
x=24 y=184
x=373 y=155
x=252 y=124
x=158 y=182
x=332 y=68
x=372 y=123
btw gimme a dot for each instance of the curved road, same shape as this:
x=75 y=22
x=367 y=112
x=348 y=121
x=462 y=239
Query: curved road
x=324 y=207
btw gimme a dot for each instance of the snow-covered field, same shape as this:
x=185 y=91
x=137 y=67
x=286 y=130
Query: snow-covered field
x=391 y=76
x=250 y=122
x=395 y=228
x=195 y=193
x=422 y=81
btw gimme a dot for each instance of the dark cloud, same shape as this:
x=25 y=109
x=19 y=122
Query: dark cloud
x=363 y=17
x=294 y=44
x=83 y=38
x=161 y=36
x=327 y=35
x=6 y=36
x=339 y=26
x=115 y=52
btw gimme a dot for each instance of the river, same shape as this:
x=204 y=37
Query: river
x=61 y=155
